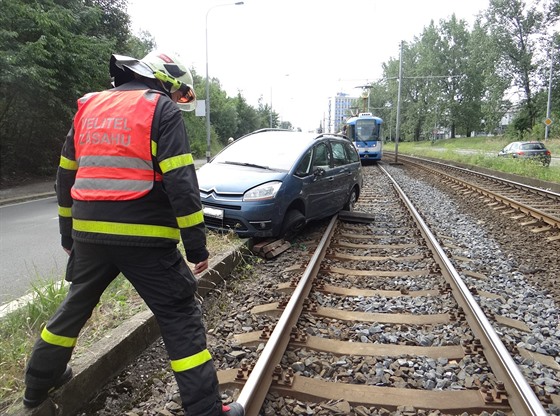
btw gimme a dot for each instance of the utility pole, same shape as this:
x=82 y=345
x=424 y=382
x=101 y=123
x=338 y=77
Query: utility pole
x=548 y=120
x=398 y=128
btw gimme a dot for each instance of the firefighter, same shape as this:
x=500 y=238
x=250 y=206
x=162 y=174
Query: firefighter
x=128 y=194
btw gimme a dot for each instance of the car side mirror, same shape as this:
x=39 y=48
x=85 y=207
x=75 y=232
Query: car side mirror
x=319 y=172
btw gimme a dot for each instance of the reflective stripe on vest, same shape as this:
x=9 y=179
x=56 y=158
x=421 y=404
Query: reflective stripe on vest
x=193 y=361
x=113 y=148
x=57 y=340
x=119 y=228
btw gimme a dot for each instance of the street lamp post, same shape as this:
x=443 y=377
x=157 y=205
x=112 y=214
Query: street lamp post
x=270 y=107
x=207 y=106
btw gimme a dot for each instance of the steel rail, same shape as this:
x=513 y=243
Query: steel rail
x=550 y=219
x=256 y=387
x=543 y=192
x=522 y=399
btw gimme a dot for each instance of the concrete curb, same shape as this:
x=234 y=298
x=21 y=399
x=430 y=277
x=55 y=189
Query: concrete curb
x=109 y=356
x=17 y=199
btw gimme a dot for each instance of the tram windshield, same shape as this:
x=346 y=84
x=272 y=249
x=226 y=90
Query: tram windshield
x=367 y=130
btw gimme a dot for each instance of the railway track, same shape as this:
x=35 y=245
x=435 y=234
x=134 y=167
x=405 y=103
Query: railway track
x=540 y=207
x=382 y=304
x=394 y=276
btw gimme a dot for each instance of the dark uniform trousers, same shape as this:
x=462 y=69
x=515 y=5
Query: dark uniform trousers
x=167 y=285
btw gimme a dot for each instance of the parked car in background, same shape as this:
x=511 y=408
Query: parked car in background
x=527 y=150
x=270 y=183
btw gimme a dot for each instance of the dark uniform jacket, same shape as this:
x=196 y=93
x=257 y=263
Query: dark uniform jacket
x=170 y=211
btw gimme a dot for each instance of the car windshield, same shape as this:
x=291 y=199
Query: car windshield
x=532 y=146
x=267 y=150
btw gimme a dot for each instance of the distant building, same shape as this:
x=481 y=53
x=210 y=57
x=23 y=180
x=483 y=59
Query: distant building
x=338 y=111
x=507 y=119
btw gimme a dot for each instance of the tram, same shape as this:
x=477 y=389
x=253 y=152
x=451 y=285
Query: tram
x=365 y=132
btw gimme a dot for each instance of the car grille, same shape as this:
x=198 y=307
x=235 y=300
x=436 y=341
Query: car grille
x=225 y=224
x=221 y=206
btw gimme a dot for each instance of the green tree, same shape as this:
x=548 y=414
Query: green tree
x=196 y=132
x=462 y=83
x=267 y=117
x=248 y=119
x=113 y=23
x=416 y=92
x=140 y=45
x=517 y=29
x=51 y=53
x=48 y=59
x=224 y=113
x=390 y=83
x=484 y=53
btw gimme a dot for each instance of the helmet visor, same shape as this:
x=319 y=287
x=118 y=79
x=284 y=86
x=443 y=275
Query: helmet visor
x=187 y=94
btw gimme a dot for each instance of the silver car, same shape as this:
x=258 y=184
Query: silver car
x=527 y=150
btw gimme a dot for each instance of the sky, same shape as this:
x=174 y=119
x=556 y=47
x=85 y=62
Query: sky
x=295 y=54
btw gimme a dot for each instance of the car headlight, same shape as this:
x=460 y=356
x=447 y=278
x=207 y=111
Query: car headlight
x=262 y=192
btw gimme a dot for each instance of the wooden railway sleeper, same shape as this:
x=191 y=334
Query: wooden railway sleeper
x=284 y=382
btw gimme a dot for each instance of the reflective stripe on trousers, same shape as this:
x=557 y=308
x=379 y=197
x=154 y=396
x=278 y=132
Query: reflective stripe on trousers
x=163 y=279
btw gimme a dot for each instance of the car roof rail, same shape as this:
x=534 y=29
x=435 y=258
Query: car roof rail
x=270 y=129
x=339 y=135
x=264 y=130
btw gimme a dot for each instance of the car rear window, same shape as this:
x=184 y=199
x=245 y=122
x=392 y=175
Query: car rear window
x=532 y=146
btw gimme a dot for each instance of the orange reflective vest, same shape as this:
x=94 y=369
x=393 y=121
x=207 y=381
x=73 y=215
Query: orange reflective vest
x=113 y=146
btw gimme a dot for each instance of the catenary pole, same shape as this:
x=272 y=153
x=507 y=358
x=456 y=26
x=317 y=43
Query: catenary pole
x=547 y=125
x=398 y=128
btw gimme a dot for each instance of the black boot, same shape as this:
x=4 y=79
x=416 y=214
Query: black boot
x=34 y=397
x=232 y=409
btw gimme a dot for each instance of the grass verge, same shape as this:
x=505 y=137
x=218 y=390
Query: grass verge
x=482 y=152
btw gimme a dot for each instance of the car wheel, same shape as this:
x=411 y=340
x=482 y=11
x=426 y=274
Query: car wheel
x=351 y=200
x=293 y=223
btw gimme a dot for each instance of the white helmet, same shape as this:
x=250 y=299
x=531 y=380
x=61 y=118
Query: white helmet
x=156 y=65
x=175 y=77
